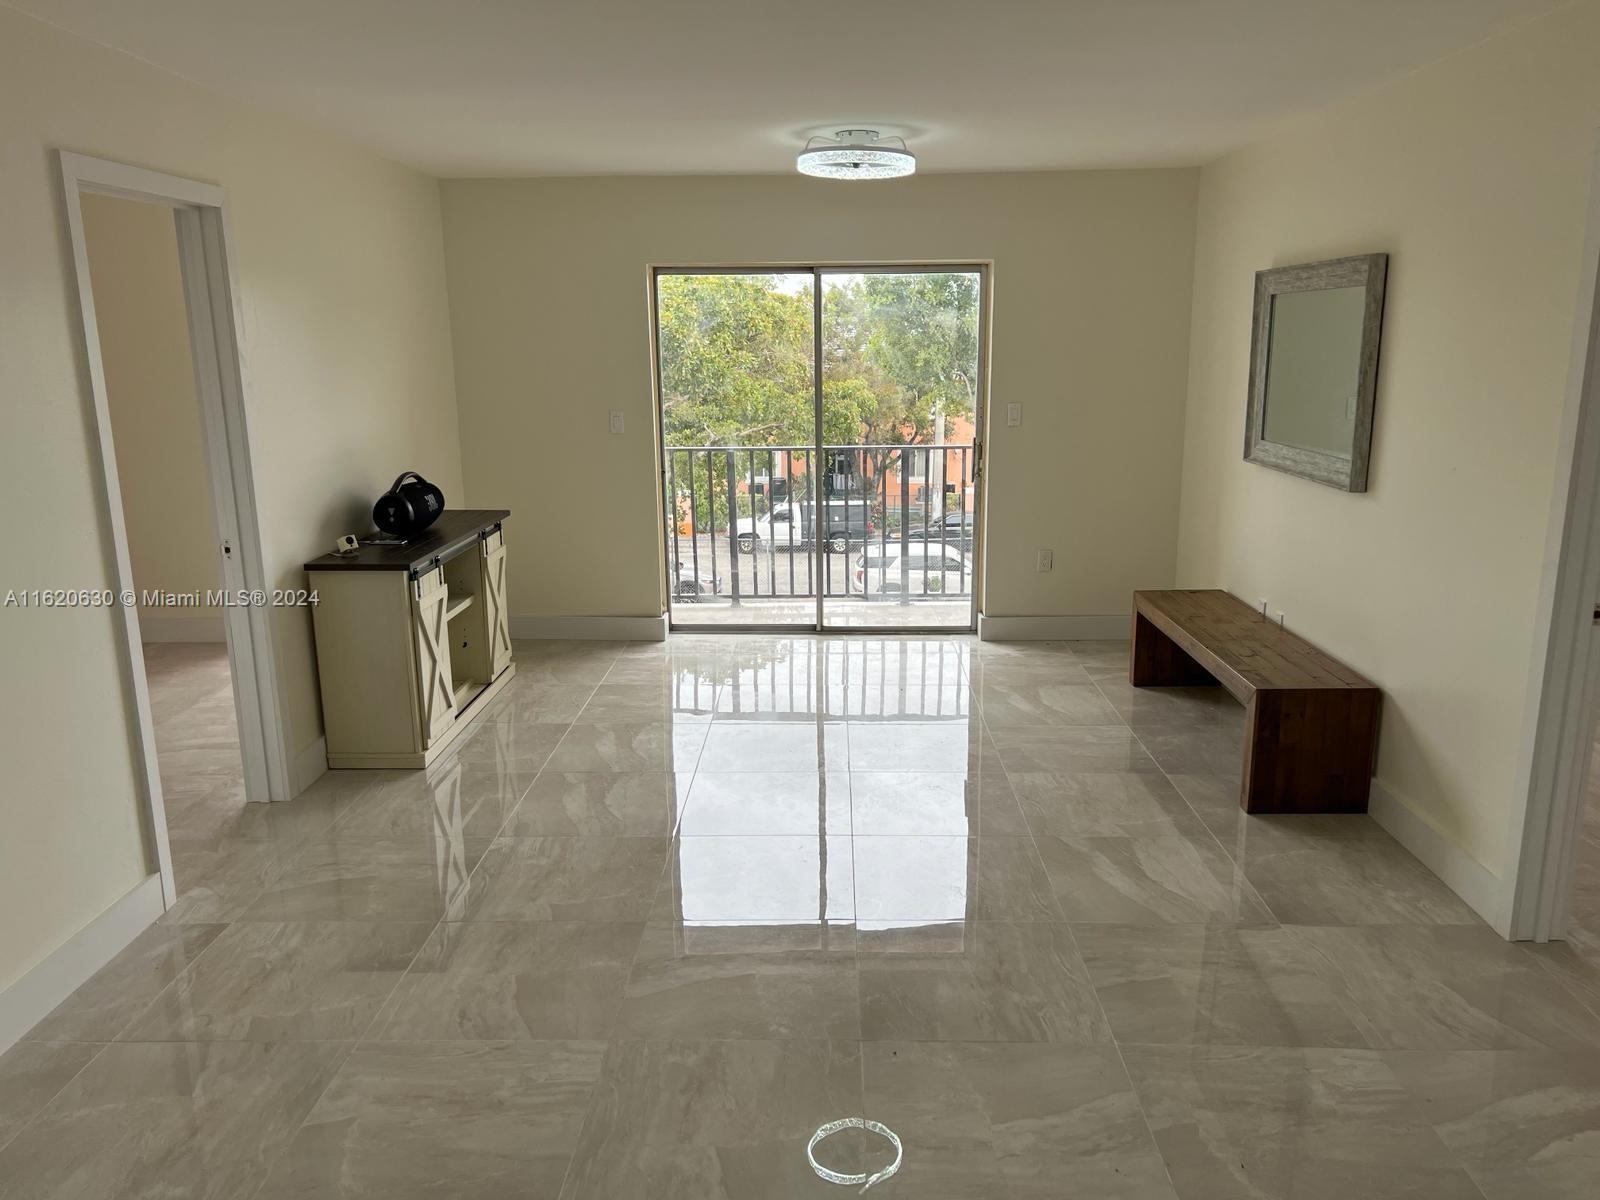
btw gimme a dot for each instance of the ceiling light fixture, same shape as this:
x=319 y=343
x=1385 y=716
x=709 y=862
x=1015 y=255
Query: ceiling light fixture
x=855 y=154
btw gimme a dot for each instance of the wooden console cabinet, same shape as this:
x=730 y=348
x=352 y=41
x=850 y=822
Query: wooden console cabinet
x=412 y=640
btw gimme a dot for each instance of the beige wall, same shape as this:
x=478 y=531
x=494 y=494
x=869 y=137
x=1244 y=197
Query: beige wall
x=347 y=360
x=1092 y=276
x=155 y=414
x=1473 y=174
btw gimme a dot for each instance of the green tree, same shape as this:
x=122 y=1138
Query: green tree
x=735 y=361
x=922 y=334
x=899 y=356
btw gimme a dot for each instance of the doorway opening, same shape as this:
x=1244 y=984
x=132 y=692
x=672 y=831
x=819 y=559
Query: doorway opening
x=1553 y=889
x=822 y=445
x=150 y=253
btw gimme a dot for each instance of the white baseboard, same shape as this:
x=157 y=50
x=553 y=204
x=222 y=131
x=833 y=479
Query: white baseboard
x=308 y=766
x=1464 y=875
x=591 y=629
x=30 y=999
x=1053 y=629
x=181 y=629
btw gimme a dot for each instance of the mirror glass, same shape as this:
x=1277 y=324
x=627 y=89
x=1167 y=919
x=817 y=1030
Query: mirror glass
x=1313 y=369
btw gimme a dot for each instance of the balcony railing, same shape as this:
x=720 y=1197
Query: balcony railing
x=896 y=523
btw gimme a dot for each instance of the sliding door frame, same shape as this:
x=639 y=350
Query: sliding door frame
x=983 y=268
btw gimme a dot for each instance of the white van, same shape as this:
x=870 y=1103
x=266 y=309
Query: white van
x=846 y=523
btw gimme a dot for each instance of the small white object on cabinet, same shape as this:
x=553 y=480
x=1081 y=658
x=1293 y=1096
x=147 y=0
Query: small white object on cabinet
x=412 y=640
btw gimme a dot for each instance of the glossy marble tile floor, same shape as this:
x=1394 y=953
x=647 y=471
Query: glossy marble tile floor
x=669 y=908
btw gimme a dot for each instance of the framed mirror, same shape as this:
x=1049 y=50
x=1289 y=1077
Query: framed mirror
x=1314 y=369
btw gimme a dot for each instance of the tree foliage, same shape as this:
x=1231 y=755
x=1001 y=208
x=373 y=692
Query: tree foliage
x=922 y=333
x=736 y=350
x=899 y=357
x=735 y=361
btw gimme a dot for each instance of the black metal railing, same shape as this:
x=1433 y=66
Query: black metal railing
x=894 y=523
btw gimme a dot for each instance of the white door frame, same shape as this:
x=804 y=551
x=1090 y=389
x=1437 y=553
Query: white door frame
x=1564 y=685
x=206 y=260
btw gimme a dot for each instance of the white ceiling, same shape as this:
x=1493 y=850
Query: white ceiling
x=501 y=87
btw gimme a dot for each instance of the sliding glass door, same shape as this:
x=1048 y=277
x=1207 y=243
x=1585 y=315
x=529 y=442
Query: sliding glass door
x=821 y=441
x=900 y=404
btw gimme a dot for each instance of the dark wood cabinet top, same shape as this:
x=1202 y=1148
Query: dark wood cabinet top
x=456 y=530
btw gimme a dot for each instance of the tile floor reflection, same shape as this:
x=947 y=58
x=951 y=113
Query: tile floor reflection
x=668 y=908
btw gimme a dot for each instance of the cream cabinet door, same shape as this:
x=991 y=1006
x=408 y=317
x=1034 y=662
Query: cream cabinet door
x=497 y=620
x=436 y=696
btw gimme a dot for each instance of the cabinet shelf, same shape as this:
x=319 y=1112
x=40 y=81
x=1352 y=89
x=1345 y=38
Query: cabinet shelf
x=456 y=607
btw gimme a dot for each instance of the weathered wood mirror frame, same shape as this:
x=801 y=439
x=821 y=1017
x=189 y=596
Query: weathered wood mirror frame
x=1347 y=474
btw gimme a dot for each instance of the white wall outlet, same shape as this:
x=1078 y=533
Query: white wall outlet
x=1013 y=414
x=1047 y=560
x=616 y=420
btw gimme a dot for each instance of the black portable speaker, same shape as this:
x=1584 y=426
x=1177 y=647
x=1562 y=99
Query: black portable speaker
x=408 y=507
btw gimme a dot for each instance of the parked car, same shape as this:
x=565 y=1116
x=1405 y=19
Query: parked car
x=956 y=529
x=845 y=523
x=686 y=584
x=916 y=569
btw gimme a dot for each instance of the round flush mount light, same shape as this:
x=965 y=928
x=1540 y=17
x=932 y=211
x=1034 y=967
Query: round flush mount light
x=856 y=154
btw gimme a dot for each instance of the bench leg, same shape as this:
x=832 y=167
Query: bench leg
x=1309 y=751
x=1158 y=661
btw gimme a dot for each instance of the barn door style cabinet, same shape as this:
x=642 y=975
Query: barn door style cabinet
x=412 y=640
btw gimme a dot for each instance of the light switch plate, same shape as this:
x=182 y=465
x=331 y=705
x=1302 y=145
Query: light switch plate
x=616 y=420
x=1013 y=414
x=1047 y=560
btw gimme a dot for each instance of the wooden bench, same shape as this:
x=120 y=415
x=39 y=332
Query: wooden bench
x=1311 y=723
